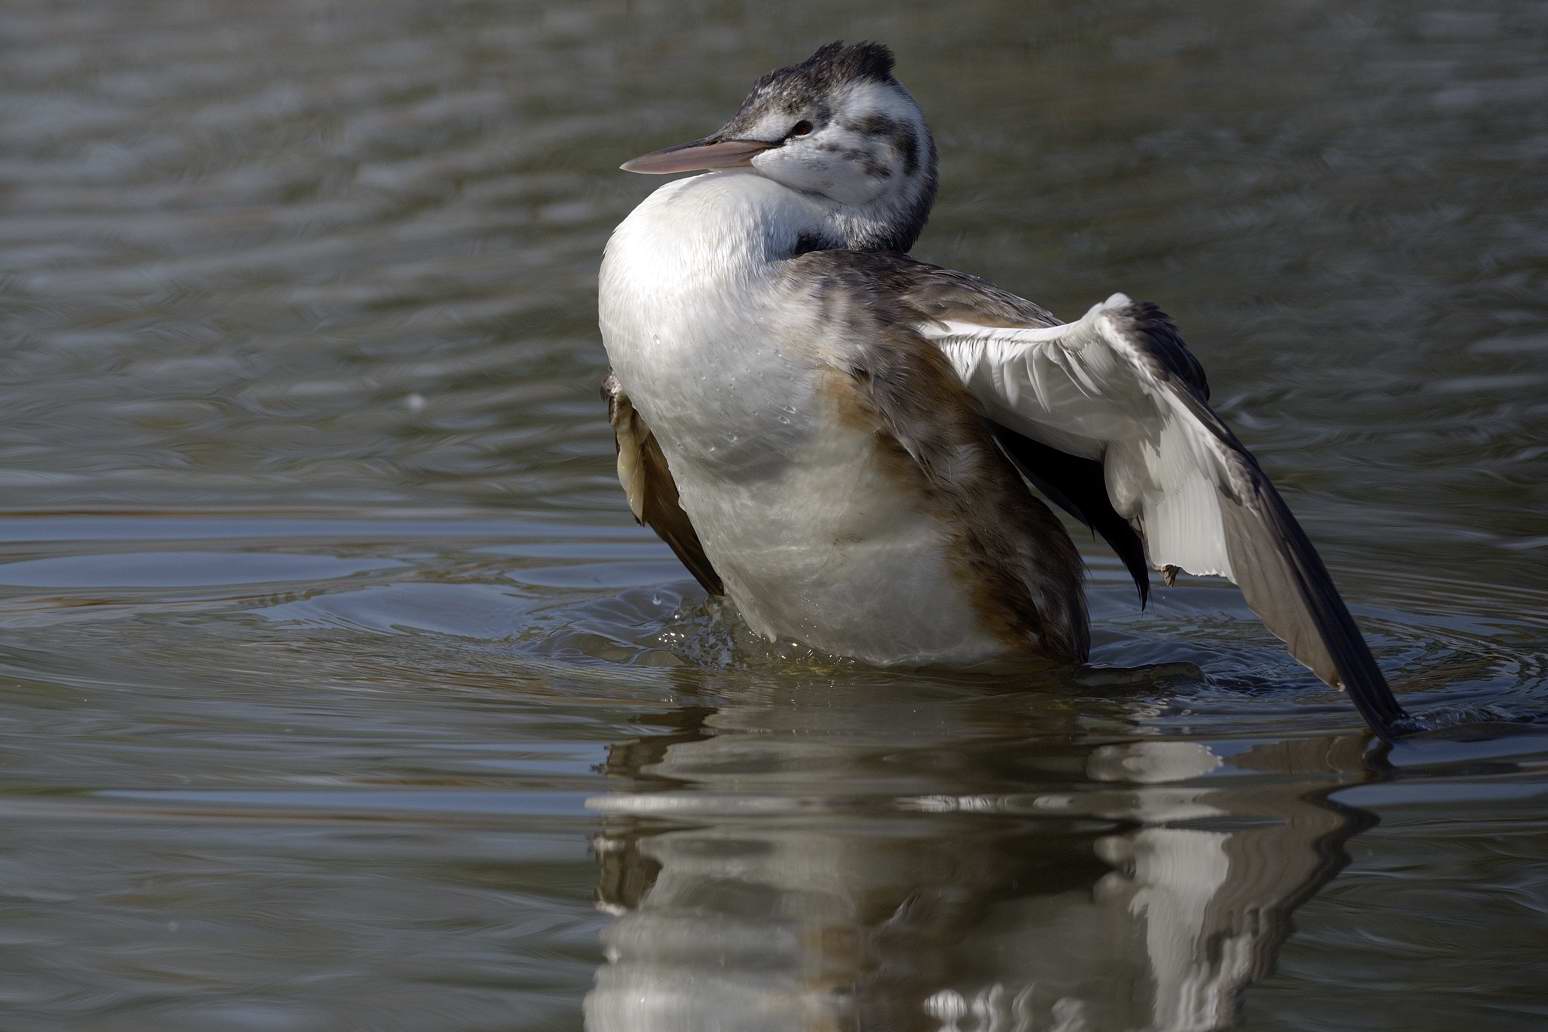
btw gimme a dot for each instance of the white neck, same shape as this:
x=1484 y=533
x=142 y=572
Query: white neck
x=727 y=222
x=686 y=272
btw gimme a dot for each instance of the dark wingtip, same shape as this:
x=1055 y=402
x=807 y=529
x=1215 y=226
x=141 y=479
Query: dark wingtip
x=1369 y=692
x=1358 y=674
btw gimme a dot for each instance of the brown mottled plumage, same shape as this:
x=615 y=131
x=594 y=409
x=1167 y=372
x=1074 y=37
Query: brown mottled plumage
x=648 y=484
x=1008 y=548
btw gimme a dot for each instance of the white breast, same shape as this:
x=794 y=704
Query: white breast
x=814 y=537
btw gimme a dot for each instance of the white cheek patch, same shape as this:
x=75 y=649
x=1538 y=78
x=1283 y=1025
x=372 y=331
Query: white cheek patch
x=835 y=162
x=869 y=146
x=857 y=167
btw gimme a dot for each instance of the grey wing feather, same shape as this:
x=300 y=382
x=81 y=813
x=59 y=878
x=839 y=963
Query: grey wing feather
x=648 y=484
x=1286 y=584
x=1270 y=557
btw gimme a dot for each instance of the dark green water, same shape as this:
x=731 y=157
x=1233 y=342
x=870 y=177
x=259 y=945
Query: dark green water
x=339 y=691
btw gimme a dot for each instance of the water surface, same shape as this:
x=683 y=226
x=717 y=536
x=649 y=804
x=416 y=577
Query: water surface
x=338 y=690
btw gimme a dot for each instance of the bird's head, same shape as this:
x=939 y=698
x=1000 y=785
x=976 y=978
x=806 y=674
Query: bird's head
x=837 y=126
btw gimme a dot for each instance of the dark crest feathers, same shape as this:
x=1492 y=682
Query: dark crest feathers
x=832 y=65
x=863 y=60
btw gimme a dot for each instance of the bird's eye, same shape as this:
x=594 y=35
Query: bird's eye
x=801 y=128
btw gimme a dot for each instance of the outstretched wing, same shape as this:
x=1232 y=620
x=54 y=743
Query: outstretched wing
x=1120 y=389
x=1109 y=416
x=646 y=480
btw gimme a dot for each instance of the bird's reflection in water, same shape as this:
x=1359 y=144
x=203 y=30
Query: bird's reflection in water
x=958 y=865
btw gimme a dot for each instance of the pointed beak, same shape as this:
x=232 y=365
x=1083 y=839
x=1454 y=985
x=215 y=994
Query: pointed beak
x=698 y=156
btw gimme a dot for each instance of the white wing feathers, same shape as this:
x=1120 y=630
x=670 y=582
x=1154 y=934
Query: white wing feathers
x=1119 y=386
x=1087 y=389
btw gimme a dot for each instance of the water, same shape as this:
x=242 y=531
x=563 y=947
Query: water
x=338 y=690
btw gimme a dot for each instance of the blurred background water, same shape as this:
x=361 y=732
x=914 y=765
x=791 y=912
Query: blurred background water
x=338 y=690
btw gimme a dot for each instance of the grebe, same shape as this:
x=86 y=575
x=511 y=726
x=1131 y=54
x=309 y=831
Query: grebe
x=846 y=441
